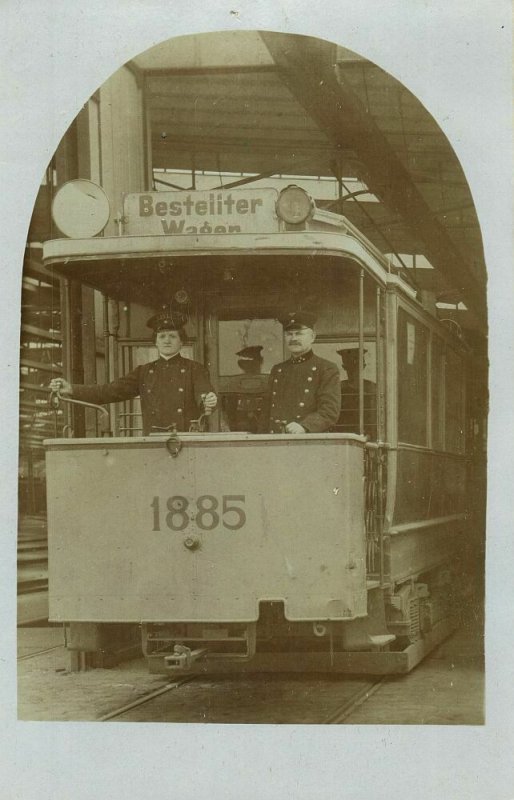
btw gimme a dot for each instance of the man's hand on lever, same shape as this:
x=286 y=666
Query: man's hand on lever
x=60 y=385
x=209 y=402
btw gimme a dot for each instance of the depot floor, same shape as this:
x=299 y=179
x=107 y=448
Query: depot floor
x=447 y=688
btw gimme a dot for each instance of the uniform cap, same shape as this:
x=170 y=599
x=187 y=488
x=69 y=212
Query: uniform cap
x=167 y=321
x=350 y=352
x=252 y=353
x=298 y=319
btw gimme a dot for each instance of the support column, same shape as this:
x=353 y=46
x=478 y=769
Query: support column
x=122 y=140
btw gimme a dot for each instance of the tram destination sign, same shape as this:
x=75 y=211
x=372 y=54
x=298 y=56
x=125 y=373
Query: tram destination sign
x=203 y=212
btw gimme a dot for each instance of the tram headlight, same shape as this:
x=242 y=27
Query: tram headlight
x=294 y=205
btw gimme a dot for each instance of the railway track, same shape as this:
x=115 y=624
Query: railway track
x=119 y=712
x=361 y=697
x=181 y=700
x=26 y=656
x=251 y=698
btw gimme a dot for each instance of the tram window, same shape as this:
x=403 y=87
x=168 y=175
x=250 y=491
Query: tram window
x=412 y=380
x=329 y=350
x=454 y=403
x=237 y=334
x=437 y=376
x=349 y=418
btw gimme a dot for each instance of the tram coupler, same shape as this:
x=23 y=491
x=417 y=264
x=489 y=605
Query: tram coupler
x=183 y=658
x=191 y=647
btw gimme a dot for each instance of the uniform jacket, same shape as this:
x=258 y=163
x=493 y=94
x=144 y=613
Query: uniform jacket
x=305 y=389
x=170 y=392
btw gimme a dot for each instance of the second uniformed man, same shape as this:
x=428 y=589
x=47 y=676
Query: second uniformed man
x=243 y=408
x=304 y=395
x=173 y=390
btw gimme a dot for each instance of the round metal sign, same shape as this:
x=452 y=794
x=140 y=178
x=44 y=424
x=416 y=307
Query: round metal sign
x=80 y=209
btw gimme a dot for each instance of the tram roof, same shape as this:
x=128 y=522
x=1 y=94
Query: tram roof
x=73 y=257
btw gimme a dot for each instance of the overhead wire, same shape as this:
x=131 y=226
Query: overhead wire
x=352 y=195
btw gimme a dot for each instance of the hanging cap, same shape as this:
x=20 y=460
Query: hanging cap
x=167 y=321
x=350 y=352
x=298 y=319
x=252 y=353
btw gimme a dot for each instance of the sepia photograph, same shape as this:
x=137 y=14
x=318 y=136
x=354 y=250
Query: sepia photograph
x=253 y=398
x=254 y=401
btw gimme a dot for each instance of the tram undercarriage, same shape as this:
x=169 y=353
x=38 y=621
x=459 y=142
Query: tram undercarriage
x=399 y=630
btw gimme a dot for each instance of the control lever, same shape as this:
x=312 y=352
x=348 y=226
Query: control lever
x=55 y=399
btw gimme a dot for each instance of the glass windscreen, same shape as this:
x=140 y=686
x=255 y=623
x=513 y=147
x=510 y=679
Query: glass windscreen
x=249 y=346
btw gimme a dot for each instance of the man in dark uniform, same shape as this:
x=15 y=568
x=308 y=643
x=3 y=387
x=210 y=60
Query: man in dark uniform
x=305 y=396
x=349 y=418
x=173 y=390
x=243 y=408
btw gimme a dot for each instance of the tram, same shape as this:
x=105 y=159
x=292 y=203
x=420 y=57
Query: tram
x=225 y=549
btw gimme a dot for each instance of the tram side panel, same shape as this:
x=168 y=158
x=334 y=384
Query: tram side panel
x=137 y=535
x=426 y=515
x=430 y=511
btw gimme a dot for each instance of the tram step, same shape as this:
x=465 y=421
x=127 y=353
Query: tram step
x=382 y=640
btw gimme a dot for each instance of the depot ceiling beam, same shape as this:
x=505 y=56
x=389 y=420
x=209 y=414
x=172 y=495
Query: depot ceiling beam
x=236 y=69
x=308 y=68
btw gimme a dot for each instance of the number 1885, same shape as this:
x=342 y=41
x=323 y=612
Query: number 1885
x=205 y=512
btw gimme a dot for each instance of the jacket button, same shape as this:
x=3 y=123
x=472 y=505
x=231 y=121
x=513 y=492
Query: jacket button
x=180 y=389
x=301 y=404
x=273 y=393
x=306 y=391
x=179 y=410
x=148 y=391
x=150 y=371
x=309 y=378
x=182 y=371
x=314 y=369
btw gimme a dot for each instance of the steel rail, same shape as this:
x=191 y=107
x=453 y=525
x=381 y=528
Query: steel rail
x=168 y=687
x=334 y=718
x=39 y=652
x=361 y=697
